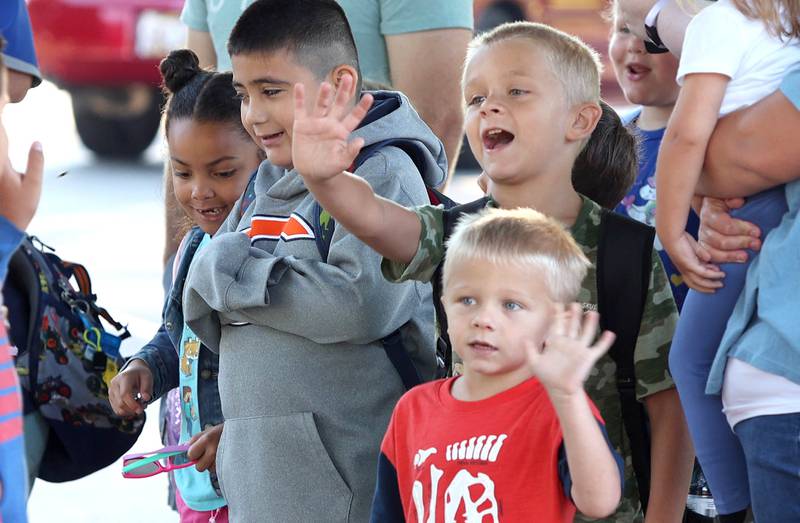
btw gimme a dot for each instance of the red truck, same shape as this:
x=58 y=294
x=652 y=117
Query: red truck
x=106 y=54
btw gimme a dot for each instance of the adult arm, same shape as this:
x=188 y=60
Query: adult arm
x=672 y=20
x=753 y=149
x=200 y=42
x=427 y=67
x=671 y=457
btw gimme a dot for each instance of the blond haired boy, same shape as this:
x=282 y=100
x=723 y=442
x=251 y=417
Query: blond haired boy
x=515 y=437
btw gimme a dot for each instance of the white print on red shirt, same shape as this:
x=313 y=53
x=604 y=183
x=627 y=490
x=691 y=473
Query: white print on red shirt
x=459 y=493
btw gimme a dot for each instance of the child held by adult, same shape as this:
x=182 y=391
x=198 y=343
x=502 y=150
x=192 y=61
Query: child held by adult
x=716 y=83
x=513 y=91
x=517 y=424
x=212 y=157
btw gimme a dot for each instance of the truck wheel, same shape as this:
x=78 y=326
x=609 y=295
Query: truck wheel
x=117 y=122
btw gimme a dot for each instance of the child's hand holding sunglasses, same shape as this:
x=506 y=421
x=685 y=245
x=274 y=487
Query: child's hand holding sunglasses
x=203 y=448
x=148 y=464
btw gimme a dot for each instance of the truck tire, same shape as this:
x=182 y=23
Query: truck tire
x=118 y=122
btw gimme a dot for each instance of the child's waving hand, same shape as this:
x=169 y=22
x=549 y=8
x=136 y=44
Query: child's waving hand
x=566 y=359
x=320 y=146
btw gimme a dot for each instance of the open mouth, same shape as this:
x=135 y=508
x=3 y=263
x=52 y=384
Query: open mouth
x=212 y=213
x=495 y=139
x=636 y=71
x=482 y=347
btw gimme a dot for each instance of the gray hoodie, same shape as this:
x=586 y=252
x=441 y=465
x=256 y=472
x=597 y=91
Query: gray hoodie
x=306 y=387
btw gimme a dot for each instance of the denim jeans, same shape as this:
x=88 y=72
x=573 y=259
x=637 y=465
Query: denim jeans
x=771 y=447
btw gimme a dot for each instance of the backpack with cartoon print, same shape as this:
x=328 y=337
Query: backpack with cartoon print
x=68 y=352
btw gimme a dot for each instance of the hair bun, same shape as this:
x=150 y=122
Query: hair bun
x=178 y=69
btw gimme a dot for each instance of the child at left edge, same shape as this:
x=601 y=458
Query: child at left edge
x=19 y=197
x=516 y=435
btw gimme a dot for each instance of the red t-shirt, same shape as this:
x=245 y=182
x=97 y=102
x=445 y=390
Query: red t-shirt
x=499 y=459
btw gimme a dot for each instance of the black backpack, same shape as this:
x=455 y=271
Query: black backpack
x=624 y=261
x=324 y=224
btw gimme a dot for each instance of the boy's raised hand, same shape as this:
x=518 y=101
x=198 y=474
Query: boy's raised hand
x=566 y=359
x=320 y=146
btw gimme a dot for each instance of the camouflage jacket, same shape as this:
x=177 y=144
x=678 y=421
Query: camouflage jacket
x=652 y=346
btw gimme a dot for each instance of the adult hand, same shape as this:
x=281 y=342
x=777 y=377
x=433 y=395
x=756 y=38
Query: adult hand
x=723 y=237
x=568 y=356
x=203 y=448
x=131 y=389
x=320 y=146
x=19 y=193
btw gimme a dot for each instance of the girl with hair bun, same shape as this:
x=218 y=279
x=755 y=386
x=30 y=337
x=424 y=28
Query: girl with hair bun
x=212 y=158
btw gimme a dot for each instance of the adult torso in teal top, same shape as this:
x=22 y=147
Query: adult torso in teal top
x=372 y=20
x=195 y=487
x=216 y=17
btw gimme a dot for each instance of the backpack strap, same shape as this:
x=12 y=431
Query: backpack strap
x=249 y=195
x=450 y=219
x=624 y=266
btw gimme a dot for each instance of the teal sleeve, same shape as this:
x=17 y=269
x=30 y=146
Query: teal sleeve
x=409 y=16
x=195 y=15
x=790 y=87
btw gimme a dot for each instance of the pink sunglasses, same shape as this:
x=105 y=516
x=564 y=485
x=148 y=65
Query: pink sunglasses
x=149 y=464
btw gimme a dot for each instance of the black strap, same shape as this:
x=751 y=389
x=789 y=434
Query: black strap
x=624 y=266
x=450 y=219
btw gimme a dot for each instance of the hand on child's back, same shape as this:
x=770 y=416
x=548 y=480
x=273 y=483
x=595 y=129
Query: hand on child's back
x=320 y=146
x=563 y=364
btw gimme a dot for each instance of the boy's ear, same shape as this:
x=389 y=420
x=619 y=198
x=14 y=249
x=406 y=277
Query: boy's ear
x=339 y=73
x=584 y=120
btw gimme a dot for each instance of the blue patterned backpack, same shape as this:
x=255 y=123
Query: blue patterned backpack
x=68 y=351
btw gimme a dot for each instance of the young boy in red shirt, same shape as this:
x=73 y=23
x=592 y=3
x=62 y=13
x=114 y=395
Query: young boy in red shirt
x=515 y=438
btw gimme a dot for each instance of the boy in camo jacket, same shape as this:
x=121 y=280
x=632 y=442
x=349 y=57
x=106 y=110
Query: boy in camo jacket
x=532 y=96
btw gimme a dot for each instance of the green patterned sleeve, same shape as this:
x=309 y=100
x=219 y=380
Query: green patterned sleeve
x=430 y=251
x=651 y=356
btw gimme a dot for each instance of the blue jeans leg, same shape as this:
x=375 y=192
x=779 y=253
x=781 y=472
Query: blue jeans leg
x=697 y=338
x=772 y=449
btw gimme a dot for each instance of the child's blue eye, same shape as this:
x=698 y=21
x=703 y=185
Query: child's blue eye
x=466 y=300
x=476 y=100
x=512 y=306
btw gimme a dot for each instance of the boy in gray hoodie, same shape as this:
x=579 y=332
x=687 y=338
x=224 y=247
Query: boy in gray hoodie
x=306 y=386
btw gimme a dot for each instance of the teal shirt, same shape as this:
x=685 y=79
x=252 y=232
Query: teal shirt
x=763 y=329
x=216 y=17
x=372 y=20
x=195 y=487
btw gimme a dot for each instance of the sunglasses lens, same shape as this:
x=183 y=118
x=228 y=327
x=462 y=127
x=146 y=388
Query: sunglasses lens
x=179 y=459
x=134 y=468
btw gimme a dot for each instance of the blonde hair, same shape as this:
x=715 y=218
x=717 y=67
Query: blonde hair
x=576 y=65
x=522 y=237
x=782 y=17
